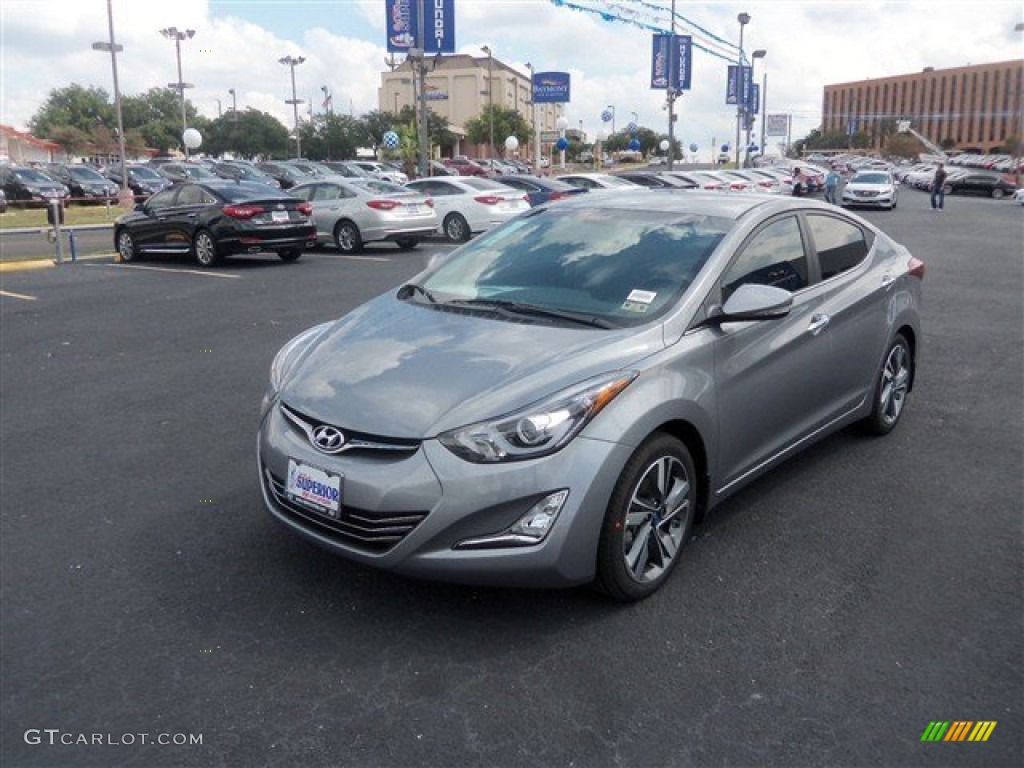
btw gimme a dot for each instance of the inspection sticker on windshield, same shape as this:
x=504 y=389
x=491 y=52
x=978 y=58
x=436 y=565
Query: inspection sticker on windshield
x=314 y=487
x=638 y=301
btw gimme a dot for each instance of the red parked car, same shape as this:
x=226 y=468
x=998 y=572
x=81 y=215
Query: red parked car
x=464 y=166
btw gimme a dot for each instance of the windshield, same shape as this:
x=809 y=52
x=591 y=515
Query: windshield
x=33 y=177
x=384 y=187
x=871 y=178
x=85 y=174
x=622 y=266
x=145 y=173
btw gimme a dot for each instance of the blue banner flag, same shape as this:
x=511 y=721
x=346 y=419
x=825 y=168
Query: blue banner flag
x=660 y=60
x=681 y=58
x=551 y=88
x=671 y=57
x=402 y=23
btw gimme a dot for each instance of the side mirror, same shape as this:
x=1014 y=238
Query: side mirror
x=140 y=207
x=755 y=302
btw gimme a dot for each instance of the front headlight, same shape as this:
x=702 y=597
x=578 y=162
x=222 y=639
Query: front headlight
x=539 y=429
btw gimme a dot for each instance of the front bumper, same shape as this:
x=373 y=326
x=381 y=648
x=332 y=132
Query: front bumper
x=437 y=500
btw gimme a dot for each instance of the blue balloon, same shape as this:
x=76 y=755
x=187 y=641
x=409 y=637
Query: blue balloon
x=725 y=147
x=634 y=144
x=693 y=147
x=391 y=140
x=606 y=116
x=562 y=143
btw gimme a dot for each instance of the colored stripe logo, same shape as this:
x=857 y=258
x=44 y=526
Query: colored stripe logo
x=958 y=730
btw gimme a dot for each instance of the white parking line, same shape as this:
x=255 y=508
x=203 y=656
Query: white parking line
x=14 y=295
x=363 y=258
x=166 y=269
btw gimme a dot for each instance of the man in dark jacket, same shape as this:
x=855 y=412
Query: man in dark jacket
x=938 y=185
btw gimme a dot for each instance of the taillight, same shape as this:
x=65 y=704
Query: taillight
x=429 y=201
x=558 y=195
x=242 y=211
x=737 y=187
x=915 y=267
x=488 y=199
x=306 y=209
x=383 y=205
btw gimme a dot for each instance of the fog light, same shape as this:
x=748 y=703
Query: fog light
x=528 y=530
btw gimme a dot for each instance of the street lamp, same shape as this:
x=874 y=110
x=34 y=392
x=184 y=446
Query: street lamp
x=115 y=49
x=743 y=19
x=612 y=108
x=292 y=62
x=234 y=105
x=177 y=35
x=490 y=101
x=533 y=124
x=758 y=54
x=328 y=108
x=561 y=124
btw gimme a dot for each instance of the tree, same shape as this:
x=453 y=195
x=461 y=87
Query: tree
x=506 y=122
x=73 y=107
x=156 y=114
x=249 y=134
x=331 y=137
x=72 y=140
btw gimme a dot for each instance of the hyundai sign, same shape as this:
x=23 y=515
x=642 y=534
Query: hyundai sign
x=551 y=88
x=670 y=61
x=402 y=22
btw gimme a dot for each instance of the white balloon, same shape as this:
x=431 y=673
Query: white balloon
x=511 y=143
x=192 y=138
x=561 y=123
x=664 y=145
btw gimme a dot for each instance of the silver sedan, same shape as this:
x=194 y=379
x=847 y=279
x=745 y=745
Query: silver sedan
x=560 y=400
x=468 y=204
x=351 y=212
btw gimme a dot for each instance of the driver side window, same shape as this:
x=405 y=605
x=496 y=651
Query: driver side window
x=162 y=199
x=774 y=256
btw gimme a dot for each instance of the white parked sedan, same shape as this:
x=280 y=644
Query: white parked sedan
x=466 y=205
x=350 y=212
x=871 y=188
x=597 y=181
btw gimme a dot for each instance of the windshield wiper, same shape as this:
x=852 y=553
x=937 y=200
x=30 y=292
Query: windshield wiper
x=532 y=310
x=409 y=289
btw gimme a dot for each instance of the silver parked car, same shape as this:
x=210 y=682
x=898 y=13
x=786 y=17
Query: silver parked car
x=877 y=189
x=350 y=212
x=469 y=204
x=556 y=402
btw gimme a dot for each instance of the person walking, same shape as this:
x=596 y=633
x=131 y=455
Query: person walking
x=798 y=183
x=831 y=182
x=938 y=188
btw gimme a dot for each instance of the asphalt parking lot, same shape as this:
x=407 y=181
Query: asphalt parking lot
x=824 y=616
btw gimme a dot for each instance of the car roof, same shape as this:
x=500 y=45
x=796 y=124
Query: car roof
x=667 y=200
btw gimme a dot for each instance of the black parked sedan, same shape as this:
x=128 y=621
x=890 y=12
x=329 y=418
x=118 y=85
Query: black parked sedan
x=28 y=186
x=538 y=189
x=85 y=182
x=979 y=184
x=216 y=219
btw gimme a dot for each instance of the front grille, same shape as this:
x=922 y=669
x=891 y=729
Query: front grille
x=375 y=532
x=354 y=441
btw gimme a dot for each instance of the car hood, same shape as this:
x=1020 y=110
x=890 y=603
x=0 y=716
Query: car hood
x=401 y=369
x=868 y=187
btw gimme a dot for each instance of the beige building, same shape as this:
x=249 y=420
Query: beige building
x=459 y=87
x=975 y=108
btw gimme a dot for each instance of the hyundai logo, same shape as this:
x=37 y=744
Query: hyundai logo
x=327 y=439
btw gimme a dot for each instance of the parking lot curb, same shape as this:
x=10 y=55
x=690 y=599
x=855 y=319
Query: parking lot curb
x=25 y=264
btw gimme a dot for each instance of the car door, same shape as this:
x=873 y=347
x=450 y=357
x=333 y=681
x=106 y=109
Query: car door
x=771 y=374
x=856 y=285
x=333 y=202
x=150 y=232
x=185 y=217
x=445 y=195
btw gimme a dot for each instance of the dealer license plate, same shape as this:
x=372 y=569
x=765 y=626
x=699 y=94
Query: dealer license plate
x=279 y=216
x=315 y=488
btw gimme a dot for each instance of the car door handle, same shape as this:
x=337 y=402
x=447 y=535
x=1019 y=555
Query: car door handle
x=888 y=280
x=818 y=323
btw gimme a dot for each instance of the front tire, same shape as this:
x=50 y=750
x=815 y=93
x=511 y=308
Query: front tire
x=648 y=519
x=998 y=194
x=456 y=228
x=891 y=390
x=204 y=249
x=347 y=237
x=126 y=246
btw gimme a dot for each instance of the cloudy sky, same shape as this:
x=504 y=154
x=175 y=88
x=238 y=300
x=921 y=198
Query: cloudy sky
x=46 y=44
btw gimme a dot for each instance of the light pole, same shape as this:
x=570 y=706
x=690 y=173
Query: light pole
x=533 y=124
x=125 y=196
x=612 y=108
x=328 y=108
x=758 y=54
x=292 y=62
x=177 y=35
x=234 y=106
x=743 y=19
x=490 y=100
x=561 y=124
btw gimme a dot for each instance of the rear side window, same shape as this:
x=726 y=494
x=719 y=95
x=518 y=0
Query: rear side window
x=840 y=244
x=775 y=255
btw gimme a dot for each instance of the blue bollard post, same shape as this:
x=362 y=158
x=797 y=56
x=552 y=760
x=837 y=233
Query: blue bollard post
x=71 y=243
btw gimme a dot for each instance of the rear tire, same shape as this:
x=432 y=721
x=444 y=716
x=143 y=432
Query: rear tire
x=892 y=387
x=290 y=254
x=407 y=243
x=648 y=519
x=998 y=194
x=204 y=249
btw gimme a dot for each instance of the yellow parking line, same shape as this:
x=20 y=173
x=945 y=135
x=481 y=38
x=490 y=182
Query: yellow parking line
x=14 y=295
x=17 y=266
x=167 y=269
